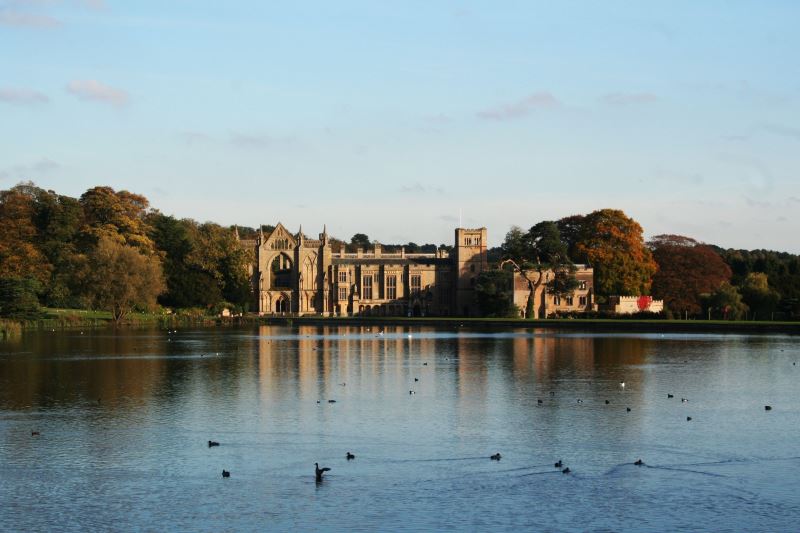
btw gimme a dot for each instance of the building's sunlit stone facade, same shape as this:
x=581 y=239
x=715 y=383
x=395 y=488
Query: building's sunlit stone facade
x=297 y=275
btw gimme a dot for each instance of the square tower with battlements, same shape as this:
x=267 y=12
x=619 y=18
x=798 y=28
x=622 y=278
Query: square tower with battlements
x=469 y=260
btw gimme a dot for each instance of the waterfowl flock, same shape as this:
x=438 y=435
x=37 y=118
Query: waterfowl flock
x=319 y=472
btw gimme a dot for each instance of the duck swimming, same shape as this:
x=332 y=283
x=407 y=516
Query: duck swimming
x=212 y=443
x=225 y=473
x=350 y=456
x=495 y=457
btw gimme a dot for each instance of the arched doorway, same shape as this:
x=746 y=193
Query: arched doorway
x=282 y=305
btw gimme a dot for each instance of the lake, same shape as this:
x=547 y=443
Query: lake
x=124 y=419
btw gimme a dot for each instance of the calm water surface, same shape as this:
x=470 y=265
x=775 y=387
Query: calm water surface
x=124 y=419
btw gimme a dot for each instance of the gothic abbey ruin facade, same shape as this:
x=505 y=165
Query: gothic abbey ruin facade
x=294 y=274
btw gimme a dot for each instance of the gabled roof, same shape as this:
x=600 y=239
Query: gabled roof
x=280 y=232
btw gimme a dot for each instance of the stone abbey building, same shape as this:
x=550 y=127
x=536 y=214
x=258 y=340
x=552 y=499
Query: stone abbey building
x=297 y=275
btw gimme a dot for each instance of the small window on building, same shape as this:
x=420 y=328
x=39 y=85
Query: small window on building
x=416 y=283
x=366 y=288
x=570 y=300
x=556 y=300
x=582 y=285
x=391 y=287
x=343 y=276
x=343 y=293
x=582 y=300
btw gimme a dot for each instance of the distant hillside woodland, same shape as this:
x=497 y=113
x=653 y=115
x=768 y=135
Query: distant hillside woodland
x=110 y=250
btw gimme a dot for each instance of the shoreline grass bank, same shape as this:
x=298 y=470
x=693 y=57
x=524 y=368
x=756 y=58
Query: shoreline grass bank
x=73 y=318
x=593 y=325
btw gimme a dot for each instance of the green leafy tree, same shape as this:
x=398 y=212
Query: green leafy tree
x=540 y=257
x=359 y=240
x=727 y=302
x=517 y=246
x=58 y=219
x=571 y=229
x=782 y=270
x=547 y=245
x=759 y=296
x=18 y=298
x=204 y=264
x=612 y=244
x=122 y=278
x=494 y=292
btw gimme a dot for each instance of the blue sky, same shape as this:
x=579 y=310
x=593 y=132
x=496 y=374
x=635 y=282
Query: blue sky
x=389 y=118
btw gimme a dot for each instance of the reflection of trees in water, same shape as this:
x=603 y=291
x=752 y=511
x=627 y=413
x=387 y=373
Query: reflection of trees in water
x=124 y=366
x=134 y=367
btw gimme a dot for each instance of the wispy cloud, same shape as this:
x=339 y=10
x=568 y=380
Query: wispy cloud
x=781 y=130
x=243 y=140
x=521 y=108
x=624 y=99
x=194 y=137
x=418 y=188
x=22 y=96
x=258 y=141
x=439 y=118
x=94 y=91
x=35 y=170
x=21 y=19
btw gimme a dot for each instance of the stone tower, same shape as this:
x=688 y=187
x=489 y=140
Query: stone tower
x=469 y=259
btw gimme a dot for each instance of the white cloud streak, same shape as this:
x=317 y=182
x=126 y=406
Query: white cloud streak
x=94 y=91
x=521 y=108
x=22 y=96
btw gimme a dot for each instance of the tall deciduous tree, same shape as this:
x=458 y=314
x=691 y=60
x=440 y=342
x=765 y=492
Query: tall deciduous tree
x=119 y=216
x=759 y=296
x=20 y=257
x=494 y=292
x=612 y=244
x=204 y=264
x=727 y=302
x=359 y=240
x=18 y=298
x=571 y=228
x=539 y=256
x=547 y=243
x=781 y=268
x=122 y=278
x=687 y=269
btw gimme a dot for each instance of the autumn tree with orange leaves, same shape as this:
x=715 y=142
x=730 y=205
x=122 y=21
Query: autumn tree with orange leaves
x=612 y=243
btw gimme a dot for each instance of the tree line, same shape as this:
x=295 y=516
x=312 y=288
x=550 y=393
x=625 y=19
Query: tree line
x=694 y=279
x=110 y=250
